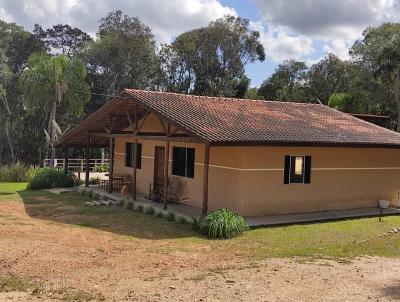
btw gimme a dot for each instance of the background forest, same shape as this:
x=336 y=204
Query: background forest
x=51 y=79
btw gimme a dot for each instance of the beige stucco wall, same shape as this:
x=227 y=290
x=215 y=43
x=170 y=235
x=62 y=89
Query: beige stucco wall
x=250 y=179
x=341 y=178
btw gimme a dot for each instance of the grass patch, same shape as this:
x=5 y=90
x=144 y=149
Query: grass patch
x=337 y=239
x=17 y=284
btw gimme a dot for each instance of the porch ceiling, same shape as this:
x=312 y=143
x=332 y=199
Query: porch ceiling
x=112 y=116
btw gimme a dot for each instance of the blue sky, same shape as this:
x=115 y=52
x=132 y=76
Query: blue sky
x=289 y=29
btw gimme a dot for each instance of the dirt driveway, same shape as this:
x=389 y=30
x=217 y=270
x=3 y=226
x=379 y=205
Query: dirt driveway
x=50 y=259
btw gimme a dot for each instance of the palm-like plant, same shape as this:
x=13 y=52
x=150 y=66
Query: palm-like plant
x=49 y=81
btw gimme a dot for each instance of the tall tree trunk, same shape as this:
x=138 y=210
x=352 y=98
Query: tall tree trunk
x=397 y=97
x=10 y=144
x=47 y=146
x=53 y=131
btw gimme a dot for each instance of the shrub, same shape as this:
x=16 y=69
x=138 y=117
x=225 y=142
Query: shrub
x=130 y=205
x=101 y=168
x=139 y=208
x=50 y=178
x=182 y=220
x=149 y=210
x=121 y=202
x=94 y=181
x=96 y=196
x=16 y=173
x=222 y=223
x=170 y=216
x=104 y=197
x=195 y=223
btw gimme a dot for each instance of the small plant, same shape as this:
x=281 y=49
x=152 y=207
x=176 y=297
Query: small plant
x=170 y=216
x=149 y=210
x=96 y=196
x=94 y=180
x=17 y=172
x=101 y=168
x=195 y=222
x=130 y=205
x=182 y=220
x=222 y=224
x=121 y=202
x=139 y=208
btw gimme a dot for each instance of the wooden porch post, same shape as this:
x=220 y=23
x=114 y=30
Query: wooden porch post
x=66 y=159
x=166 y=166
x=134 y=156
x=111 y=166
x=87 y=162
x=204 y=209
x=135 y=129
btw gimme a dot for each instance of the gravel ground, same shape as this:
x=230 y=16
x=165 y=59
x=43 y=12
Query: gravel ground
x=72 y=263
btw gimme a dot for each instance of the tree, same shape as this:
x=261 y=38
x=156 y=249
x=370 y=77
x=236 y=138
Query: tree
x=62 y=38
x=16 y=45
x=123 y=55
x=379 y=52
x=211 y=60
x=49 y=82
x=328 y=76
x=286 y=83
x=344 y=102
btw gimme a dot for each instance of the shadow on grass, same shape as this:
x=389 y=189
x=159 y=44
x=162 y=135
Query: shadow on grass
x=70 y=208
x=392 y=291
x=6 y=193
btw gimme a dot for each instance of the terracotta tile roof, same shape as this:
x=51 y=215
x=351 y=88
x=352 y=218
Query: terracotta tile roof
x=240 y=121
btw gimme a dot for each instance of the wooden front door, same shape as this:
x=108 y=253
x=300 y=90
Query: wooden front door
x=159 y=158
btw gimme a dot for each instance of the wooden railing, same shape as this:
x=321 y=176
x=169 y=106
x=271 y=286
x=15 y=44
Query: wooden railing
x=76 y=164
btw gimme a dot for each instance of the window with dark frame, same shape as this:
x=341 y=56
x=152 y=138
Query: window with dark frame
x=128 y=155
x=183 y=161
x=297 y=169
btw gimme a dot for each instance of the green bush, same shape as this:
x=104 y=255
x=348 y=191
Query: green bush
x=101 y=168
x=130 y=205
x=139 y=208
x=94 y=181
x=121 y=202
x=170 y=216
x=16 y=173
x=182 y=220
x=222 y=223
x=149 y=210
x=50 y=178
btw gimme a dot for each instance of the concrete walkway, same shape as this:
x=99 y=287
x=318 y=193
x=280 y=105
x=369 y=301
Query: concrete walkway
x=190 y=212
x=273 y=220
x=179 y=209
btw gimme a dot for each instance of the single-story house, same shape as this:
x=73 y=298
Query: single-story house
x=255 y=157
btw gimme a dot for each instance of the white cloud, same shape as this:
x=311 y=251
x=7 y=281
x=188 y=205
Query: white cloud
x=280 y=45
x=166 y=18
x=337 y=24
x=340 y=19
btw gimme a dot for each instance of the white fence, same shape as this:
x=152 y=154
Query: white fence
x=76 y=164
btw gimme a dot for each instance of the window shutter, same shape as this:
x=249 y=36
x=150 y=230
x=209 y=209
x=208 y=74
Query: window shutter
x=286 y=170
x=307 y=169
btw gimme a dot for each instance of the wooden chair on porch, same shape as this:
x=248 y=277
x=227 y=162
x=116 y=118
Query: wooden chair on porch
x=177 y=191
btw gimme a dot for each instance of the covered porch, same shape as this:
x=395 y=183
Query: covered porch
x=123 y=118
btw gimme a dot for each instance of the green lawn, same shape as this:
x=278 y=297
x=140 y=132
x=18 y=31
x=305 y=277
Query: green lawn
x=340 y=239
